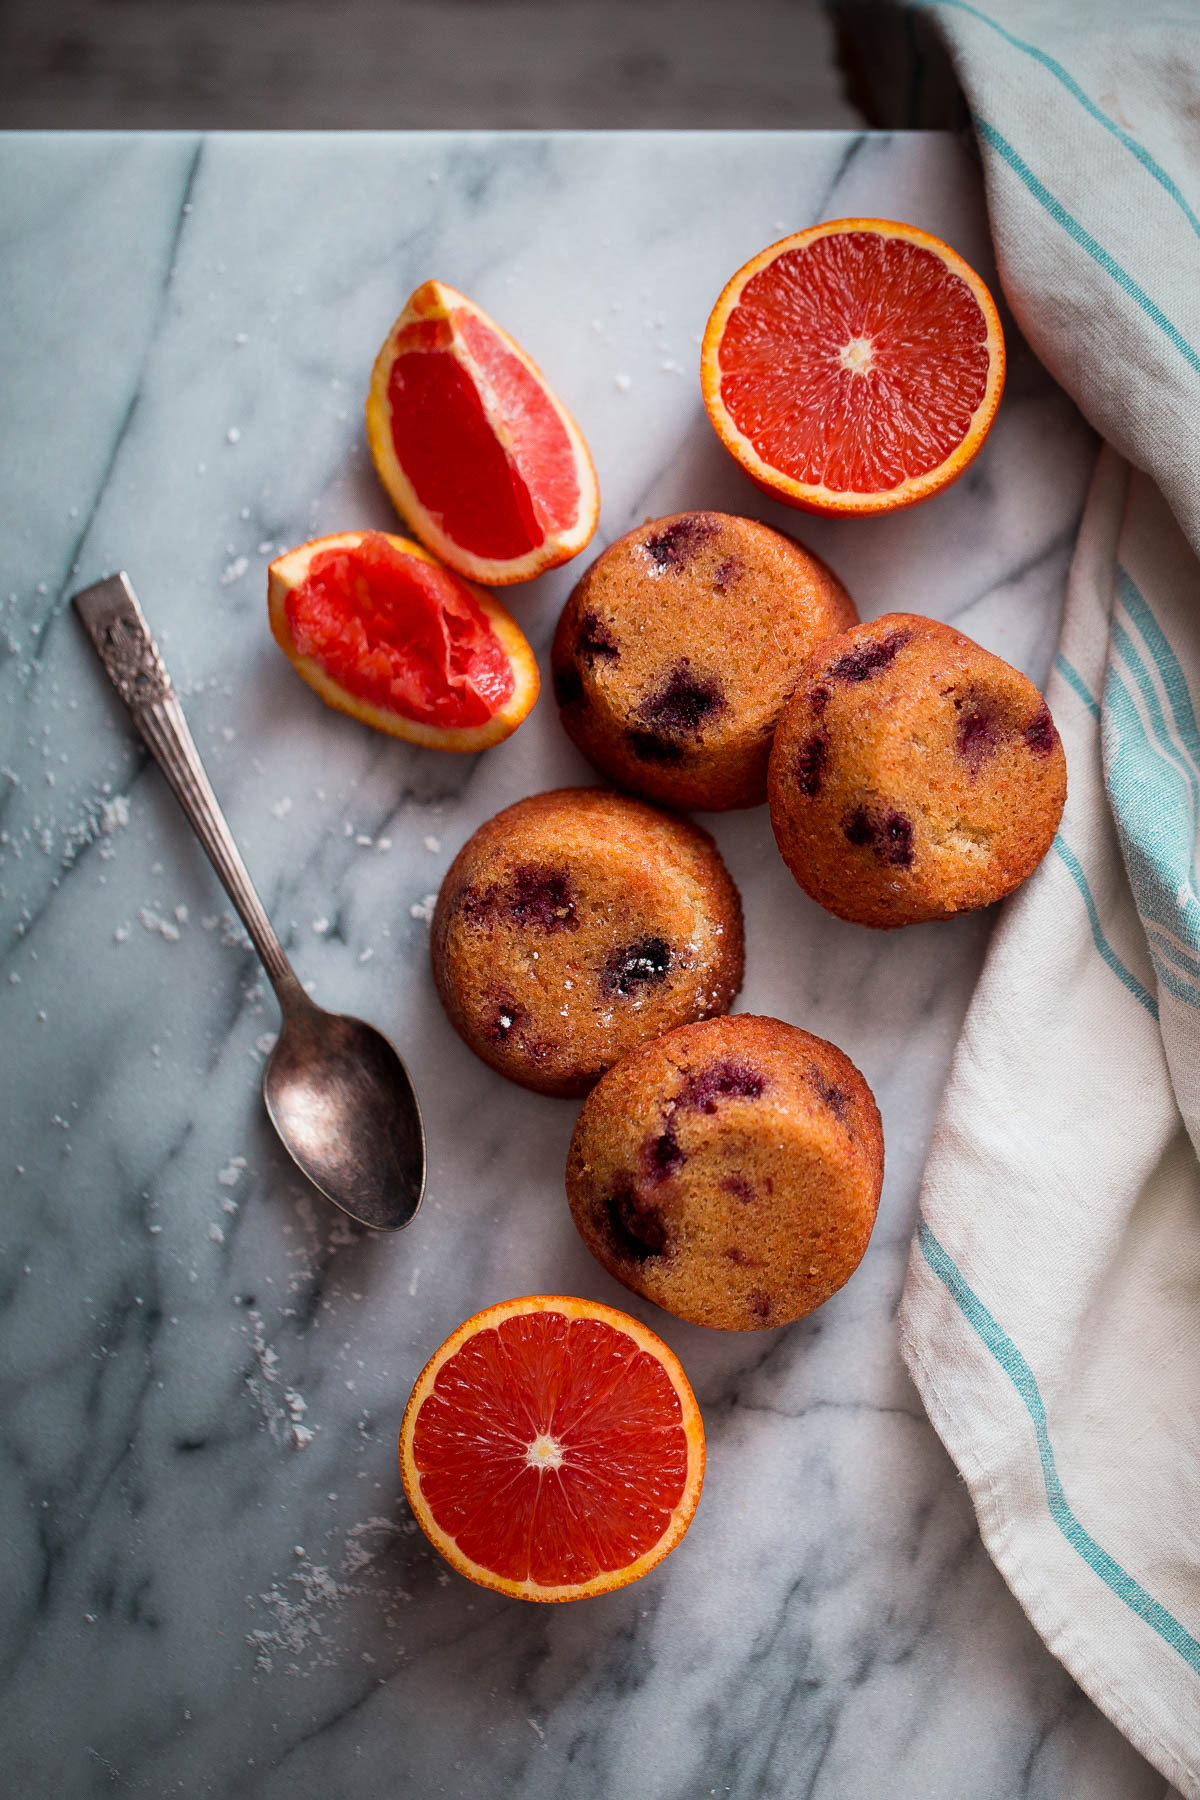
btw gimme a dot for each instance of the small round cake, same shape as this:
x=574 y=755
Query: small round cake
x=914 y=775
x=729 y=1171
x=679 y=646
x=576 y=924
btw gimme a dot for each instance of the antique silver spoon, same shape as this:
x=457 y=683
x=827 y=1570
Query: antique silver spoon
x=337 y=1092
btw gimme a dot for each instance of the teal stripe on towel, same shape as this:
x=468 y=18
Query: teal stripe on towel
x=1086 y=241
x=1173 y=982
x=1123 y=975
x=1001 y=1346
x=1173 y=951
x=1056 y=69
x=1154 y=814
x=1074 y=679
x=1173 y=678
x=1175 y=754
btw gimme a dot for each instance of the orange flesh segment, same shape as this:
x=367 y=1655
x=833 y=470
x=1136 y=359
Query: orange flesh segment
x=912 y=325
x=495 y=503
x=400 y=633
x=590 y=1393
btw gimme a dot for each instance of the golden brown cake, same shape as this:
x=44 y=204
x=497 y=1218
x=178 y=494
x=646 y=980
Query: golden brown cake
x=576 y=924
x=914 y=775
x=678 y=647
x=729 y=1171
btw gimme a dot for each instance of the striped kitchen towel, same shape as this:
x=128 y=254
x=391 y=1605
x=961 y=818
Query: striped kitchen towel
x=1051 y=1313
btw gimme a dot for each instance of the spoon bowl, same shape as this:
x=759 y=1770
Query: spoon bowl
x=342 y=1102
x=335 y=1089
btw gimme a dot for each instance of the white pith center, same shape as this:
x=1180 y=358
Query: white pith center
x=857 y=355
x=544 y=1453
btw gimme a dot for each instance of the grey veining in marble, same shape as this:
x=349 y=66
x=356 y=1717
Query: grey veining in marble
x=213 y=1586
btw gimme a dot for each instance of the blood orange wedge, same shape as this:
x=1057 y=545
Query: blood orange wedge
x=853 y=368
x=482 y=459
x=552 y=1449
x=382 y=631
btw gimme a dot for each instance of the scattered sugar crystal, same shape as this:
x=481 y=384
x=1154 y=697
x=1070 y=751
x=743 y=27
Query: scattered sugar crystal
x=363 y=841
x=282 y=807
x=433 y=845
x=670 y=367
x=423 y=909
x=216 y=1234
x=121 y=934
x=240 y=337
x=228 y=733
x=383 y=843
x=366 y=955
x=234 y=570
x=266 y=547
x=232 y=1173
x=320 y=926
x=166 y=928
x=114 y=814
x=266 y=1043
x=622 y=383
x=233 y=435
x=181 y=915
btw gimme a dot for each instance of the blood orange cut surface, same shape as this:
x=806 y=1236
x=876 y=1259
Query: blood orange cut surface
x=481 y=457
x=855 y=367
x=552 y=1449
x=382 y=631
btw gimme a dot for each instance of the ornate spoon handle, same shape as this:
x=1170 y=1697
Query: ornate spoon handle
x=117 y=627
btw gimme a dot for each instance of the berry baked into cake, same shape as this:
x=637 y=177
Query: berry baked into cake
x=576 y=924
x=729 y=1171
x=679 y=646
x=914 y=775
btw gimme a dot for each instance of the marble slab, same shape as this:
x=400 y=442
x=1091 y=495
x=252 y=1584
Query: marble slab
x=213 y=1583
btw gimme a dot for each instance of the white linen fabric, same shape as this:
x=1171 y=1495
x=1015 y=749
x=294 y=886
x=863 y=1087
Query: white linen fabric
x=1051 y=1313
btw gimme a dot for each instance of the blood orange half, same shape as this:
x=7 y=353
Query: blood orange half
x=382 y=631
x=853 y=368
x=552 y=1449
x=482 y=459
